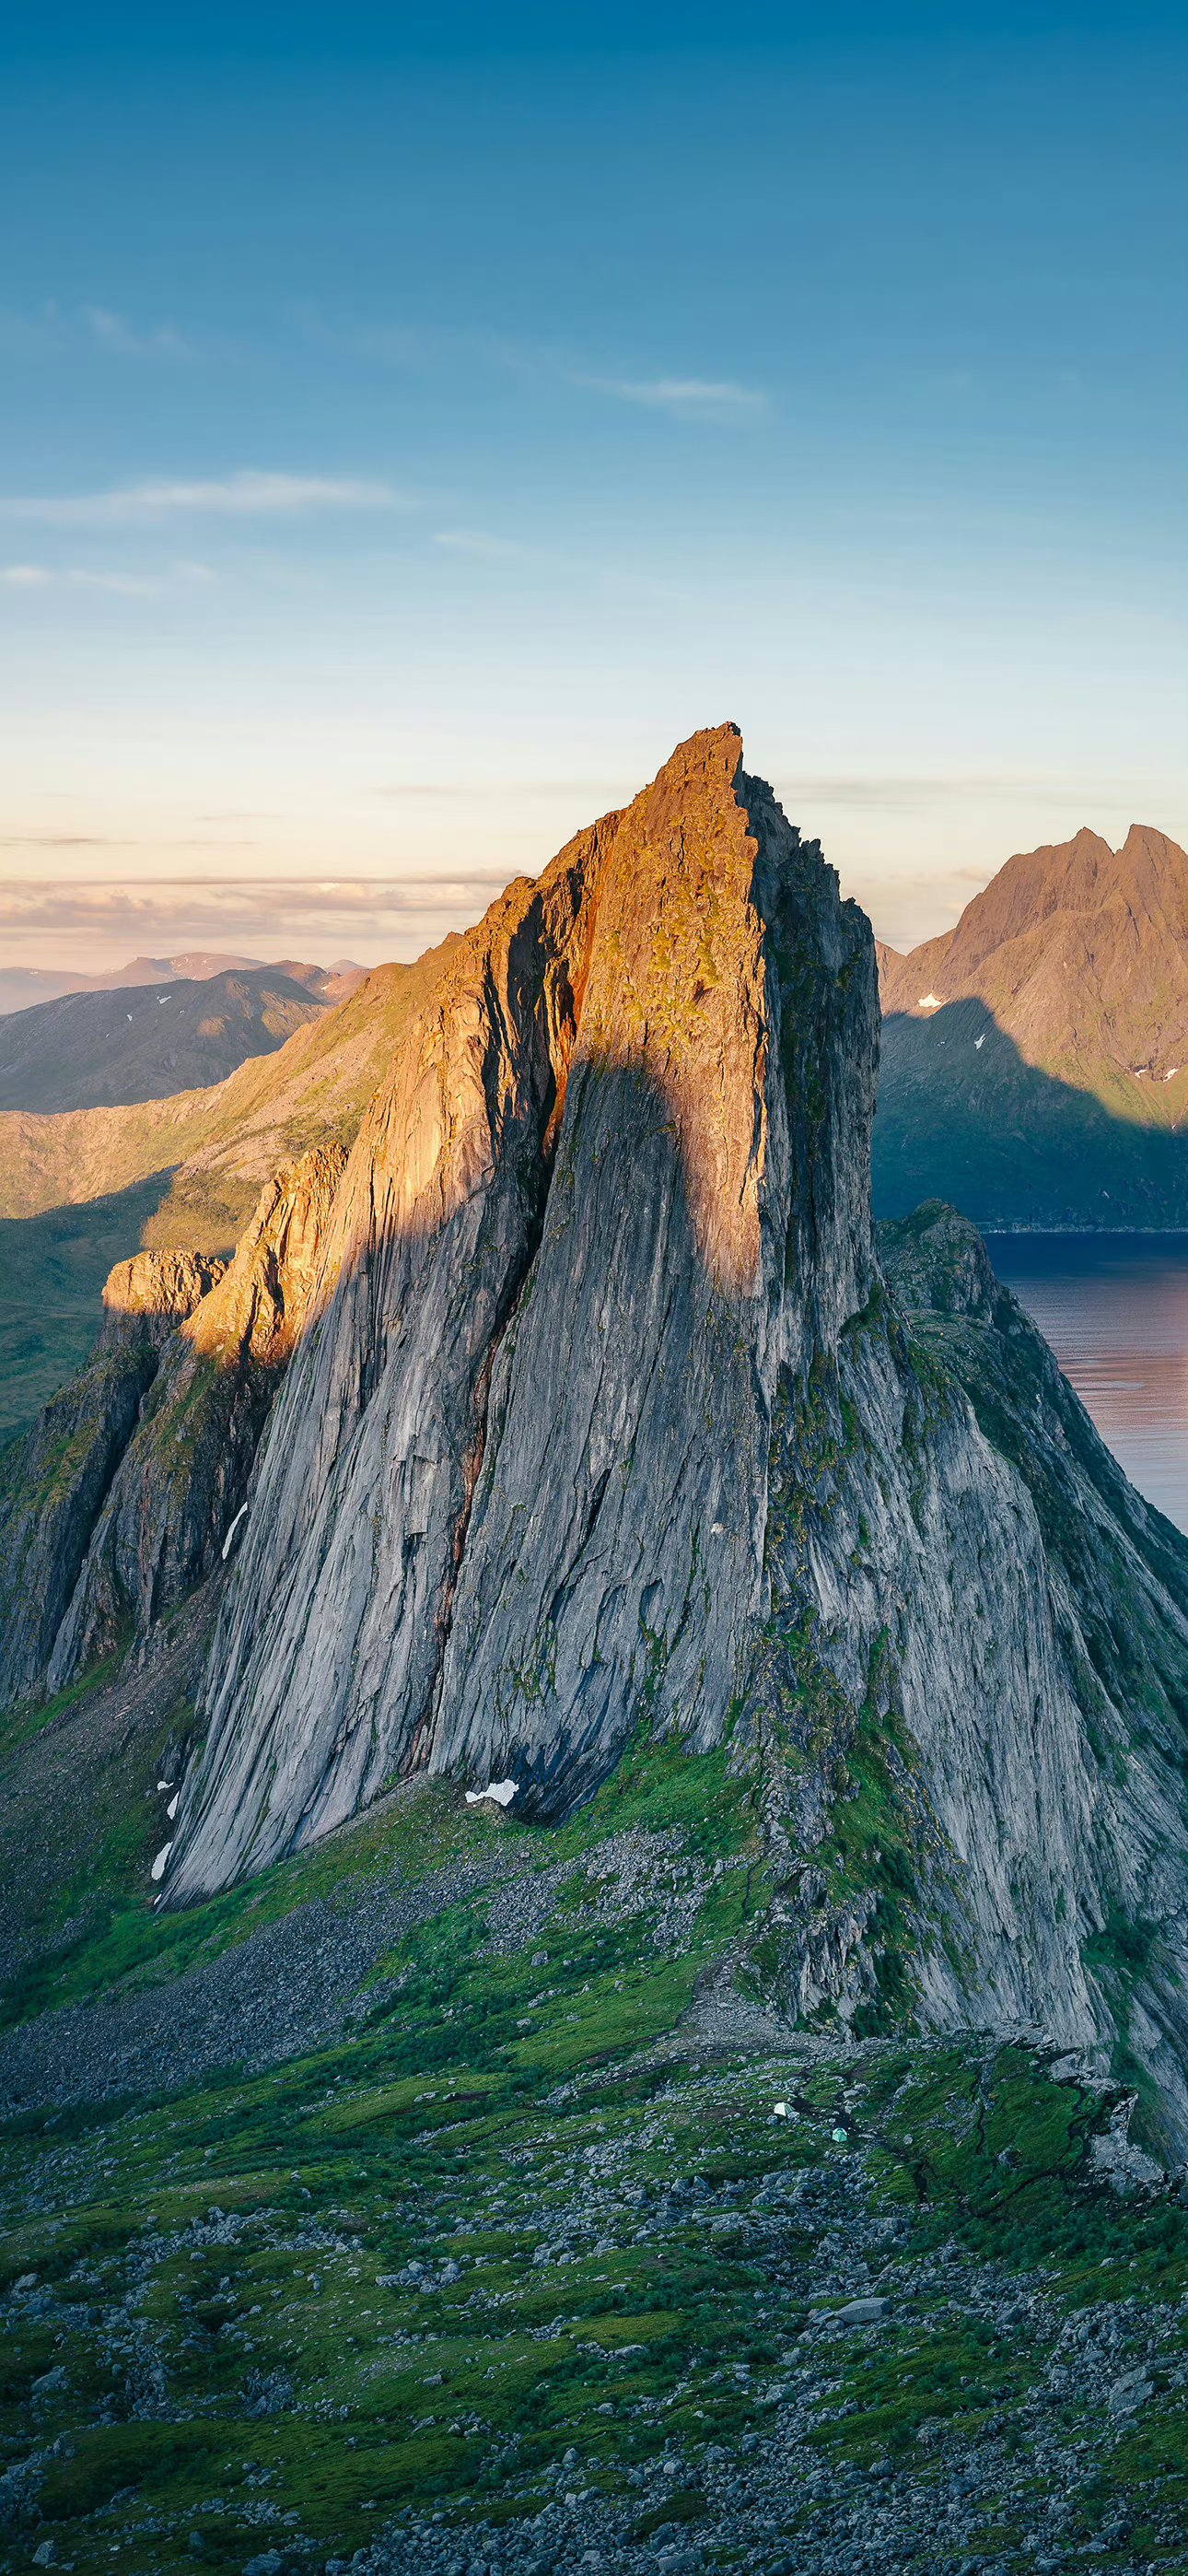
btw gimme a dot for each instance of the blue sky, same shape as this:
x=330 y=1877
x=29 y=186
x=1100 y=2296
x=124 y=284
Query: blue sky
x=409 y=432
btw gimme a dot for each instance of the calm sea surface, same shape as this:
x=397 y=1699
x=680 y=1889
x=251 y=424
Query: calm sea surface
x=1115 y=1309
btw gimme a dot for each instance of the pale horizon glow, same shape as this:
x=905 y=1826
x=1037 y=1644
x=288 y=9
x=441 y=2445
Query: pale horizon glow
x=60 y=920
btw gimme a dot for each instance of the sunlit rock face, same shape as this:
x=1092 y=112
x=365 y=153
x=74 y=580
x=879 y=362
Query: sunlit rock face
x=706 y=1225
x=154 y=1292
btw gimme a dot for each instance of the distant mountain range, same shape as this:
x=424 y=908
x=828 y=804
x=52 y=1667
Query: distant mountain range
x=1035 y=1058
x=22 y=987
x=144 y=1041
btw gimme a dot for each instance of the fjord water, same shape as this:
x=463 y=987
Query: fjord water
x=1115 y=1309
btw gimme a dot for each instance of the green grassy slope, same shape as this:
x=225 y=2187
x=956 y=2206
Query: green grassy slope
x=528 y=2241
x=52 y=1269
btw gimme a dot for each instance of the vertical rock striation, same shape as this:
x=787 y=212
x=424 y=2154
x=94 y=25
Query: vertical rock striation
x=327 y=1653
x=1097 y=1821
x=703 y=1229
x=513 y=1498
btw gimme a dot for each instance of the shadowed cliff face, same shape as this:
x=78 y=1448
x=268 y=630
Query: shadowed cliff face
x=1067 y=1809
x=174 y=1499
x=617 y=1129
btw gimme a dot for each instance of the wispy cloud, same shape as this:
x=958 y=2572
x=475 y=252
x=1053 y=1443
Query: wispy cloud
x=691 y=395
x=36 y=578
x=900 y=795
x=245 y=495
x=155 y=909
x=508 y=790
x=114 y=332
x=391 y=342
x=471 y=541
x=55 y=330
x=421 y=347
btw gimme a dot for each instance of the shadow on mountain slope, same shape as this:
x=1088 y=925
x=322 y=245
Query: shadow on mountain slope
x=118 y=1500
x=52 y=1269
x=962 y=1117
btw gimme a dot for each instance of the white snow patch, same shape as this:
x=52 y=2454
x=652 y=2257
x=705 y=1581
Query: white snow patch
x=231 y=1532
x=171 y=1809
x=164 y=1784
x=502 y=1791
x=928 y=1002
x=158 y=1867
x=980 y=1042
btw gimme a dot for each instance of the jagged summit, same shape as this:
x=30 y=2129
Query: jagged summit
x=1080 y=951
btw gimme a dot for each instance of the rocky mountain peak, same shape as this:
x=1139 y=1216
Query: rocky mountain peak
x=602 y=1416
x=1080 y=955
x=1079 y=890
x=617 y=1178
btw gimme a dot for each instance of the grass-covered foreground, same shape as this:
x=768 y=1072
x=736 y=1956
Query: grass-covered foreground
x=522 y=2270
